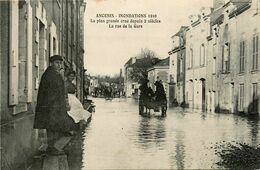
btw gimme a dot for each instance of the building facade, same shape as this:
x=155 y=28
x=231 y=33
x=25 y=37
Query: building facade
x=222 y=58
x=130 y=87
x=31 y=32
x=196 y=57
x=212 y=60
x=238 y=57
x=177 y=67
x=93 y=85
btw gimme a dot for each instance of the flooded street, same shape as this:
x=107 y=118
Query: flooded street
x=119 y=138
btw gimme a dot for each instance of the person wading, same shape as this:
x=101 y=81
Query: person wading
x=51 y=109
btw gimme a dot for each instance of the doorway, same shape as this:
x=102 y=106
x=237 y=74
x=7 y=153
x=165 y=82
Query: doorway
x=203 y=95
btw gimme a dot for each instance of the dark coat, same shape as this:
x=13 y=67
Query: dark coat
x=146 y=93
x=51 y=112
x=70 y=87
x=160 y=93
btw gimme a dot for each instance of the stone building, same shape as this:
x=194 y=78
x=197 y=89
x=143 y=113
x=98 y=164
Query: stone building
x=31 y=32
x=130 y=86
x=196 y=57
x=177 y=67
x=237 y=54
x=212 y=67
x=135 y=69
x=222 y=58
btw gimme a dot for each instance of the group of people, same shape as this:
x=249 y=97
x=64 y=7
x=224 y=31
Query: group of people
x=108 y=92
x=147 y=94
x=58 y=110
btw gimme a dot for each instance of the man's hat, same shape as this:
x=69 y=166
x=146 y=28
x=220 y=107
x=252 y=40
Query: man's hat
x=56 y=57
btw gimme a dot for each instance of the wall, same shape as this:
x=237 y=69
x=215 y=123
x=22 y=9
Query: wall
x=196 y=57
x=18 y=138
x=239 y=30
x=28 y=30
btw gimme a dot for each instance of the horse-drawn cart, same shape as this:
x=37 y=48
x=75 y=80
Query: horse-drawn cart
x=158 y=106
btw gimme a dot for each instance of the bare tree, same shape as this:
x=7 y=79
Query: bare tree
x=146 y=59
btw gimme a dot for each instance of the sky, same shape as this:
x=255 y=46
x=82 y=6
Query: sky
x=108 y=49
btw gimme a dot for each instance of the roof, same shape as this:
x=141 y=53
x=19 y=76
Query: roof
x=162 y=63
x=240 y=1
x=182 y=28
x=137 y=62
x=129 y=61
x=241 y=6
x=216 y=16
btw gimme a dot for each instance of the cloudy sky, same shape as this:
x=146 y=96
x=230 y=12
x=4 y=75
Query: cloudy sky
x=107 y=49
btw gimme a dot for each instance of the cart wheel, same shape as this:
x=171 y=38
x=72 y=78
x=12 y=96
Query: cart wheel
x=164 y=109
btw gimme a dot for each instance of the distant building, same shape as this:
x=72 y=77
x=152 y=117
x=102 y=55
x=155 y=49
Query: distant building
x=94 y=84
x=159 y=71
x=177 y=67
x=130 y=87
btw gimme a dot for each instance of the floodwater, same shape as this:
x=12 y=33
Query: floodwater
x=119 y=138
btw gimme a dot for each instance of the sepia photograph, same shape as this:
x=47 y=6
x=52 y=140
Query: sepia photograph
x=129 y=84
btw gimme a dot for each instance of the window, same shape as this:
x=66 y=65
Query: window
x=214 y=65
x=181 y=65
x=20 y=63
x=181 y=41
x=256 y=6
x=178 y=66
x=255 y=98
x=242 y=57
x=54 y=45
x=215 y=35
x=241 y=97
x=255 y=52
x=222 y=64
x=226 y=93
x=202 y=55
x=226 y=58
x=191 y=58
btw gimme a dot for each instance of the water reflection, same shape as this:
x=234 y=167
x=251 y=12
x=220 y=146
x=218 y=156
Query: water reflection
x=119 y=138
x=151 y=131
x=74 y=152
x=253 y=124
x=180 y=150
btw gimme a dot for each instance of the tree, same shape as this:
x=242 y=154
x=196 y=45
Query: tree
x=145 y=60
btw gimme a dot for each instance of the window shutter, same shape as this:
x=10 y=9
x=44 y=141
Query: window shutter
x=222 y=64
x=29 y=53
x=13 y=64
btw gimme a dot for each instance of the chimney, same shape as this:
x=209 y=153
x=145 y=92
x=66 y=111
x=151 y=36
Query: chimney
x=133 y=60
x=218 y=3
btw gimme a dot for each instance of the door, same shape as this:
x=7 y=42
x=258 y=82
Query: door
x=213 y=101
x=232 y=102
x=203 y=95
x=255 y=99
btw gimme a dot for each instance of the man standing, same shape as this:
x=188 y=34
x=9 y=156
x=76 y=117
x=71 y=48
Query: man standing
x=51 y=109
